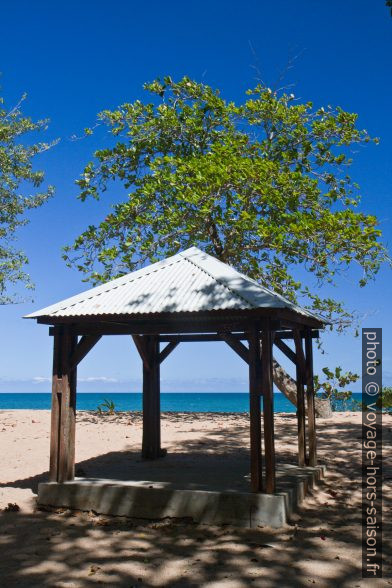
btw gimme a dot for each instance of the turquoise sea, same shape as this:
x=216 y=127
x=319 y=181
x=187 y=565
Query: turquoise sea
x=170 y=401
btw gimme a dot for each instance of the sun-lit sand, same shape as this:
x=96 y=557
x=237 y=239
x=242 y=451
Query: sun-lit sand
x=63 y=549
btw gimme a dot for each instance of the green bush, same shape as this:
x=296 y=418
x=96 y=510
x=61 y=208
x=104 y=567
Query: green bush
x=384 y=400
x=106 y=407
x=333 y=386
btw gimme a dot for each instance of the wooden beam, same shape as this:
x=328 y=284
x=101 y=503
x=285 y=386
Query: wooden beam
x=286 y=350
x=141 y=345
x=199 y=338
x=268 y=411
x=206 y=337
x=251 y=315
x=174 y=323
x=167 y=350
x=288 y=334
x=312 y=439
x=84 y=346
x=297 y=321
x=236 y=345
x=279 y=316
x=300 y=377
x=123 y=329
x=255 y=389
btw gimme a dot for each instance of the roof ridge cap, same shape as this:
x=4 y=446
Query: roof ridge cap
x=217 y=279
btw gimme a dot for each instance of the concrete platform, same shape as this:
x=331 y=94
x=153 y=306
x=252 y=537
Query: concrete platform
x=159 y=499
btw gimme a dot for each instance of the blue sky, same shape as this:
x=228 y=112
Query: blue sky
x=77 y=58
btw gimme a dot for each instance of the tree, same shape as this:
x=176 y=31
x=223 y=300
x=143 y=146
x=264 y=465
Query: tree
x=16 y=174
x=333 y=385
x=262 y=185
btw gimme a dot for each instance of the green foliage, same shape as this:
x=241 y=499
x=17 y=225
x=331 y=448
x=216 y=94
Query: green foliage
x=262 y=185
x=106 y=407
x=384 y=400
x=16 y=175
x=389 y=4
x=334 y=384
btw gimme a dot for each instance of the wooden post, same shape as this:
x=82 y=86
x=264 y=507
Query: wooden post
x=310 y=399
x=72 y=412
x=151 y=445
x=56 y=405
x=62 y=445
x=268 y=410
x=255 y=388
x=300 y=377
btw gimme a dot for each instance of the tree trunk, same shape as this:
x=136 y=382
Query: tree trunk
x=285 y=384
x=323 y=408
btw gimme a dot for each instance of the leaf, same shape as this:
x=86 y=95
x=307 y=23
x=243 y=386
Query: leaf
x=18 y=153
x=260 y=183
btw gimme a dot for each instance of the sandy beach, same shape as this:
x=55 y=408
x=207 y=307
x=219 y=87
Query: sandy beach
x=322 y=546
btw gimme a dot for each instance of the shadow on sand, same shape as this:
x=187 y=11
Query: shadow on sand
x=80 y=549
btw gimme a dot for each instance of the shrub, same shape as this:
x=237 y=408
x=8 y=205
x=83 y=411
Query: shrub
x=106 y=407
x=333 y=387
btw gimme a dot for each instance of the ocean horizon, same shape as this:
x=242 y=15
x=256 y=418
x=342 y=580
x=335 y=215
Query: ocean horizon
x=170 y=401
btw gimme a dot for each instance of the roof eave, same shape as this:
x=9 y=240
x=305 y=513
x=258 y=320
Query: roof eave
x=287 y=318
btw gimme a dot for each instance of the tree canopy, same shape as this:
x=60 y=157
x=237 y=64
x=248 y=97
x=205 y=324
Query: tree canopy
x=262 y=185
x=19 y=192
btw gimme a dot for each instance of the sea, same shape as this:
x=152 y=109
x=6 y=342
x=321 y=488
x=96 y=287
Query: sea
x=170 y=401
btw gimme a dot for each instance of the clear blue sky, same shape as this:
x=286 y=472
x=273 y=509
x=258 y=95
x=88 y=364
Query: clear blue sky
x=77 y=58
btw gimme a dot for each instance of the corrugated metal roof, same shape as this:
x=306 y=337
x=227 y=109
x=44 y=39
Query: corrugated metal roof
x=191 y=281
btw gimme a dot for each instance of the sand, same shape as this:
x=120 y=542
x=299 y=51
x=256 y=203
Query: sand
x=321 y=547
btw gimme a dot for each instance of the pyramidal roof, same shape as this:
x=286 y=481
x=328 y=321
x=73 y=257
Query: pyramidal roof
x=190 y=281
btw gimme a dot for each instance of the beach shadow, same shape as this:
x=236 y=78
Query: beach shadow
x=219 y=460
x=54 y=549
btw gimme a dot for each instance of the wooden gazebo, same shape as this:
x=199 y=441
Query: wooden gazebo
x=188 y=297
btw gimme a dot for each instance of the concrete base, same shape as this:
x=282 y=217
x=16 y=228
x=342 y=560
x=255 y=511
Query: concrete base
x=157 y=500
